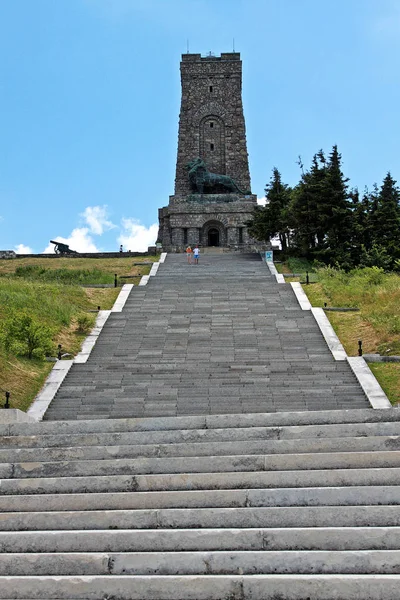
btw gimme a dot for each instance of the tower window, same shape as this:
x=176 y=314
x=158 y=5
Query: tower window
x=240 y=235
x=211 y=88
x=211 y=124
x=211 y=146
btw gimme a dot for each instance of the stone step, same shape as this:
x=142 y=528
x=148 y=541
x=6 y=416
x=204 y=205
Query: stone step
x=147 y=410
x=278 y=419
x=310 y=516
x=193 y=474
x=169 y=540
x=243 y=435
x=226 y=456
x=226 y=461
x=202 y=563
x=272 y=462
x=292 y=496
x=202 y=587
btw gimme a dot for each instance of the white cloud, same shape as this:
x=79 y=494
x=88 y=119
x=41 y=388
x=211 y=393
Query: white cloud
x=133 y=235
x=96 y=218
x=22 y=249
x=262 y=201
x=79 y=240
x=137 y=237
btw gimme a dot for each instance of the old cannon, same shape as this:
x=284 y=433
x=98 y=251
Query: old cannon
x=60 y=248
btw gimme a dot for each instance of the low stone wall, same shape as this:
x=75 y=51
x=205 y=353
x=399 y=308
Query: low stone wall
x=372 y=358
x=150 y=252
x=7 y=254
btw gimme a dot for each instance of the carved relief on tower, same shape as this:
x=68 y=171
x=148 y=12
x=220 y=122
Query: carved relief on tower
x=212 y=143
x=211 y=108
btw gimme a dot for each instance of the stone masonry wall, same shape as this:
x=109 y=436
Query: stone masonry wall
x=211 y=121
x=212 y=127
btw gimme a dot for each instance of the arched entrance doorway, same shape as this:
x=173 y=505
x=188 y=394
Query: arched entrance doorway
x=213 y=237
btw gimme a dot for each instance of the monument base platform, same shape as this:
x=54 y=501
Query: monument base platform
x=208 y=220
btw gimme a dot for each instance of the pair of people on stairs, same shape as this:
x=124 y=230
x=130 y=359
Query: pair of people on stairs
x=193 y=253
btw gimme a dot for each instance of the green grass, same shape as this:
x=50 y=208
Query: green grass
x=377 y=324
x=388 y=375
x=54 y=304
x=66 y=276
x=51 y=291
x=120 y=266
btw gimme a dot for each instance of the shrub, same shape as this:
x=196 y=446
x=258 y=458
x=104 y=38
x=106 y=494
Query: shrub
x=84 y=322
x=24 y=335
x=365 y=277
x=377 y=256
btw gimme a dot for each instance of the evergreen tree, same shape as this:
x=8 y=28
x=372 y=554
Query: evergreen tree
x=339 y=222
x=271 y=220
x=362 y=219
x=385 y=218
x=303 y=212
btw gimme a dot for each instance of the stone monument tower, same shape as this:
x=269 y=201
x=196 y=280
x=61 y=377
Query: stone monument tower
x=212 y=199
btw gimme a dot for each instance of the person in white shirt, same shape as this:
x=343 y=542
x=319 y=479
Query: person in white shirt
x=196 y=253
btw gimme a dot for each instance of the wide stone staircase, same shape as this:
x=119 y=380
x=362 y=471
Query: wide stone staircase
x=218 y=337
x=210 y=449
x=264 y=506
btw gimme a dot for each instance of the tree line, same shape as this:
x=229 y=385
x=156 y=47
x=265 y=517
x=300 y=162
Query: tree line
x=323 y=219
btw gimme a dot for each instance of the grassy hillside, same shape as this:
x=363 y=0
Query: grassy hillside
x=377 y=323
x=80 y=271
x=51 y=292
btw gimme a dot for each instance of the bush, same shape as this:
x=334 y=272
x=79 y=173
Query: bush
x=84 y=322
x=369 y=275
x=24 y=335
x=377 y=256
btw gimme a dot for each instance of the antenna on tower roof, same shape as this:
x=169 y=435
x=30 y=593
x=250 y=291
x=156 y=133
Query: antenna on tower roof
x=187 y=46
x=233 y=46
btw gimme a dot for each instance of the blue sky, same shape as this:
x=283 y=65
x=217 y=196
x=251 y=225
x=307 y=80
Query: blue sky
x=90 y=95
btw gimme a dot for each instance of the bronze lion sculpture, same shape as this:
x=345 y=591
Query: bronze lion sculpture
x=204 y=182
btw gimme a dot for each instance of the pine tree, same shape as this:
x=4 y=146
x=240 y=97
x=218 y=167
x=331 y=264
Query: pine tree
x=385 y=218
x=339 y=223
x=307 y=216
x=362 y=218
x=271 y=220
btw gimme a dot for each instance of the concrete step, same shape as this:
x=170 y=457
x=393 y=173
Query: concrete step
x=278 y=419
x=310 y=516
x=200 y=440
x=174 y=540
x=224 y=462
x=203 y=587
x=291 y=496
x=193 y=457
x=196 y=436
x=314 y=459
x=250 y=473
x=202 y=563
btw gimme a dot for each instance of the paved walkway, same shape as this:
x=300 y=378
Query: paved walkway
x=218 y=337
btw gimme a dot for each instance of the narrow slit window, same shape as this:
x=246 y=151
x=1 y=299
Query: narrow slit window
x=211 y=88
x=240 y=235
x=211 y=124
x=211 y=146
